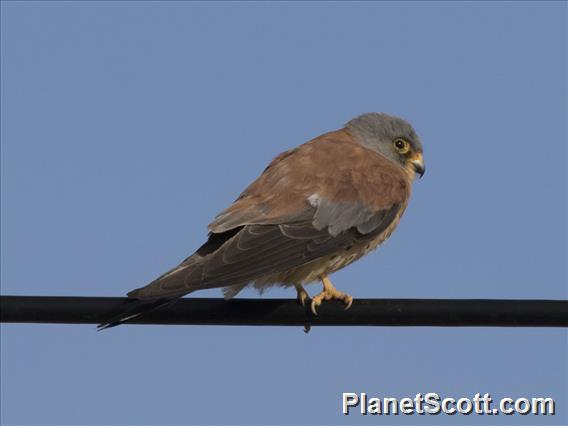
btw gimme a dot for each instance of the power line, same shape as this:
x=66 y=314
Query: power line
x=286 y=312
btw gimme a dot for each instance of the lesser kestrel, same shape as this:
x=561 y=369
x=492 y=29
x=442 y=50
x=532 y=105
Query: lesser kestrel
x=314 y=210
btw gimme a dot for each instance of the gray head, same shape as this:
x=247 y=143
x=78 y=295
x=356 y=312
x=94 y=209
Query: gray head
x=390 y=136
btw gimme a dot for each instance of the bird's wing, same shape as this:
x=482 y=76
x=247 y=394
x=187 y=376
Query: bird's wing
x=332 y=168
x=310 y=202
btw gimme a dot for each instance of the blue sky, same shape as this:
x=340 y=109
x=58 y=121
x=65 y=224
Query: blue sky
x=127 y=126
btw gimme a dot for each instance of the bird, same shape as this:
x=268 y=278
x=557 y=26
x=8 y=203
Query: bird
x=313 y=210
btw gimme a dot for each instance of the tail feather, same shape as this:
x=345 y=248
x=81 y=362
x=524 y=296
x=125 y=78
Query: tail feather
x=133 y=308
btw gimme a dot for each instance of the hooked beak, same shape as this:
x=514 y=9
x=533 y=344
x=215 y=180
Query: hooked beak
x=417 y=162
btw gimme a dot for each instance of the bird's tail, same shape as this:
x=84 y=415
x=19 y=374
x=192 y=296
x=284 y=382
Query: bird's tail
x=131 y=309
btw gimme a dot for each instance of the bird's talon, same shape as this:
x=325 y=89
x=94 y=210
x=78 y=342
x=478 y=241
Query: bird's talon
x=302 y=295
x=314 y=305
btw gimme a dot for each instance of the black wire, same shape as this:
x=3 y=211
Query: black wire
x=285 y=312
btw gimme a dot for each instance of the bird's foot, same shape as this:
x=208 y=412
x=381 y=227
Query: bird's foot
x=330 y=293
x=302 y=295
x=335 y=295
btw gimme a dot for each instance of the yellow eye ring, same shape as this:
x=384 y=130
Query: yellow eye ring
x=401 y=145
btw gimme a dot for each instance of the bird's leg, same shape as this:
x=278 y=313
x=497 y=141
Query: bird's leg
x=329 y=293
x=302 y=294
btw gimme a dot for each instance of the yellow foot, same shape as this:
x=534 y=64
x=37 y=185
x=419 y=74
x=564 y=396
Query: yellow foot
x=330 y=293
x=302 y=295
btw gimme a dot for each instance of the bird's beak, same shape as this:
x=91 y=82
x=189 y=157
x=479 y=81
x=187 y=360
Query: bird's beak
x=417 y=162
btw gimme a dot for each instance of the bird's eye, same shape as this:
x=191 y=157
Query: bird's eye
x=401 y=145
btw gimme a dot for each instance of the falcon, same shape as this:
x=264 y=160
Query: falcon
x=314 y=210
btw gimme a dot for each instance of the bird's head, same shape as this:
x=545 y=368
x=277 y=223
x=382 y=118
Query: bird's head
x=390 y=136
